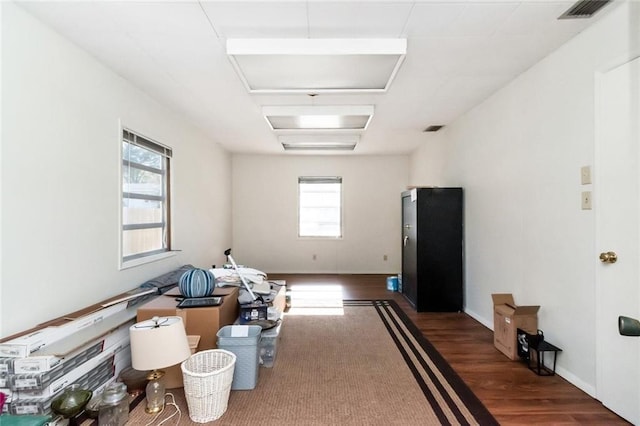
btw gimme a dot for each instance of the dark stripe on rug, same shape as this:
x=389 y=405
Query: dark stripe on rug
x=390 y=309
x=442 y=417
x=478 y=409
x=455 y=409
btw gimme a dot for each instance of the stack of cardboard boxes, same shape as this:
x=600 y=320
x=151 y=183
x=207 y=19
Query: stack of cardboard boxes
x=88 y=347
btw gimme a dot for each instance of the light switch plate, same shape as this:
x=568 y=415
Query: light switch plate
x=585 y=175
x=586 y=200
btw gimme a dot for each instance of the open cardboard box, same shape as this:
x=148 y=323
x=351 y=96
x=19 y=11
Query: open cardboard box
x=203 y=322
x=173 y=375
x=507 y=318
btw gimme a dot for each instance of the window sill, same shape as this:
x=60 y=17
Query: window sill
x=147 y=259
x=321 y=238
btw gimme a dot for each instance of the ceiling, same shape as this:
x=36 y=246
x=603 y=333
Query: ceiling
x=458 y=54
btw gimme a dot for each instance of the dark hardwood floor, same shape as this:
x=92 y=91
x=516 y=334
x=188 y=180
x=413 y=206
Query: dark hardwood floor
x=512 y=393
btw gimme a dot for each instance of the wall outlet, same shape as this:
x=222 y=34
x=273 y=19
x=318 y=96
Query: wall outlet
x=314 y=257
x=585 y=175
x=586 y=200
x=385 y=257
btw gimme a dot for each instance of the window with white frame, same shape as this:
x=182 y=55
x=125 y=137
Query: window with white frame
x=145 y=197
x=320 y=206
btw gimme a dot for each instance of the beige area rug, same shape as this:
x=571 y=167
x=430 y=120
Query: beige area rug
x=369 y=366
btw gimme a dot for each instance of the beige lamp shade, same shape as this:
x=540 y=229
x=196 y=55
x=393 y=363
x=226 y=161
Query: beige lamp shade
x=158 y=343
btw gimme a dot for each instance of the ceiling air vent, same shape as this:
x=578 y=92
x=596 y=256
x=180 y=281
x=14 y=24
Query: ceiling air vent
x=584 y=9
x=434 y=128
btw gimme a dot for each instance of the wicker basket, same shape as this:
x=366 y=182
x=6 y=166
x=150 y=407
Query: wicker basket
x=207 y=383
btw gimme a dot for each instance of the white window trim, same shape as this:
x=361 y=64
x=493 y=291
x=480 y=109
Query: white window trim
x=323 y=238
x=143 y=260
x=122 y=264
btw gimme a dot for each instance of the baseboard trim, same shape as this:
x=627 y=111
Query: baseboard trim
x=565 y=374
x=479 y=318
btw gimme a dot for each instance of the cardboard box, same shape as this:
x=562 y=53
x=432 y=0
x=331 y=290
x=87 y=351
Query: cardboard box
x=204 y=322
x=54 y=331
x=49 y=357
x=36 y=364
x=173 y=375
x=507 y=318
x=23 y=346
x=62 y=376
x=6 y=366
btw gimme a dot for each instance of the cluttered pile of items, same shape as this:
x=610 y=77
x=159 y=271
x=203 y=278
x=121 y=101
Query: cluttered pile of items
x=88 y=352
x=255 y=294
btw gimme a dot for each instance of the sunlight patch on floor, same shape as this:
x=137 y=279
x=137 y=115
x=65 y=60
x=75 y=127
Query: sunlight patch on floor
x=315 y=300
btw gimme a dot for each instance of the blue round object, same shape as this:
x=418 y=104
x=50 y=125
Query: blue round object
x=196 y=283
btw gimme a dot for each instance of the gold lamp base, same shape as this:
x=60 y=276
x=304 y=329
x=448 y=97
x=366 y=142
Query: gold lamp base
x=155 y=392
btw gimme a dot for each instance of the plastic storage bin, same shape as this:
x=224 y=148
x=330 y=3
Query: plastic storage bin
x=392 y=283
x=269 y=345
x=243 y=341
x=207 y=383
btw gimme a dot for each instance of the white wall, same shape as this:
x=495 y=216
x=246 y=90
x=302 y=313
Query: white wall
x=1 y=44
x=426 y=166
x=60 y=181
x=518 y=156
x=265 y=202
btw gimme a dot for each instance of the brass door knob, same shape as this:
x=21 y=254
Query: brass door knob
x=608 y=257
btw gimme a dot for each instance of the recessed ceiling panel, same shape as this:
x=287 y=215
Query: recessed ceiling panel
x=279 y=73
x=312 y=118
x=302 y=147
x=318 y=142
x=316 y=65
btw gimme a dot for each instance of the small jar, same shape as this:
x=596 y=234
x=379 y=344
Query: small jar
x=114 y=409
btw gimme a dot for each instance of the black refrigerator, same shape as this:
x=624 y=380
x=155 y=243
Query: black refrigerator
x=433 y=249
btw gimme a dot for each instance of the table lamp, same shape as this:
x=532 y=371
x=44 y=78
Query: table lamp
x=156 y=344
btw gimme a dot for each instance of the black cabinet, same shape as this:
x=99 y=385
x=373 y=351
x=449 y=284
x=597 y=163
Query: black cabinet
x=432 y=248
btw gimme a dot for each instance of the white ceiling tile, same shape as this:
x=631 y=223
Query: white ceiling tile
x=456 y=91
x=357 y=19
x=433 y=19
x=238 y=19
x=480 y=19
x=169 y=18
x=72 y=17
x=533 y=18
x=419 y=100
x=181 y=51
